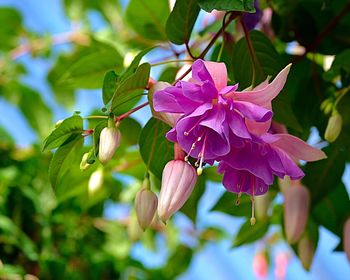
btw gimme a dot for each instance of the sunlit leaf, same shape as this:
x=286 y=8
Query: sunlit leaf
x=181 y=21
x=155 y=149
x=69 y=127
x=227 y=5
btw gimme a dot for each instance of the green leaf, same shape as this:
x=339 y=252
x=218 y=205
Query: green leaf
x=134 y=64
x=64 y=157
x=227 y=5
x=341 y=62
x=323 y=174
x=10 y=233
x=248 y=233
x=88 y=71
x=132 y=87
x=109 y=86
x=333 y=209
x=181 y=21
x=227 y=204
x=130 y=130
x=156 y=151
x=69 y=127
x=169 y=74
x=9 y=32
x=35 y=110
x=268 y=60
x=148 y=18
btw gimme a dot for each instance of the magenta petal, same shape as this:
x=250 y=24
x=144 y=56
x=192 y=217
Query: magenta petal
x=237 y=125
x=228 y=89
x=172 y=100
x=252 y=111
x=297 y=148
x=238 y=181
x=203 y=93
x=200 y=72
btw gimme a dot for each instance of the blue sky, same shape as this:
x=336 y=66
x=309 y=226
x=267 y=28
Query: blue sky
x=216 y=260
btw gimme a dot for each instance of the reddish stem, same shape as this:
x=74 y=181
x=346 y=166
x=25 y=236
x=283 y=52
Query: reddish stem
x=179 y=154
x=127 y=114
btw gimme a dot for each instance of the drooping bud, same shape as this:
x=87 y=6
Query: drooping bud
x=109 y=142
x=178 y=181
x=296 y=211
x=260 y=265
x=95 y=181
x=346 y=238
x=334 y=126
x=146 y=205
x=306 y=251
x=84 y=162
x=281 y=263
x=262 y=203
x=168 y=118
x=134 y=231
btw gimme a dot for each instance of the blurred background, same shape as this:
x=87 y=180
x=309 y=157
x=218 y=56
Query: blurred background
x=66 y=234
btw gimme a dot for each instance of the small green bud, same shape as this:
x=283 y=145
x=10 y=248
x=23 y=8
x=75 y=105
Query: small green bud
x=84 y=162
x=306 y=251
x=334 y=126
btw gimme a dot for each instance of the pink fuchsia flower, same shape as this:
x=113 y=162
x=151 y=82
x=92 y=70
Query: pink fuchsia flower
x=260 y=265
x=178 y=180
x=281 y=264
x=209 y=115
x=297 y=201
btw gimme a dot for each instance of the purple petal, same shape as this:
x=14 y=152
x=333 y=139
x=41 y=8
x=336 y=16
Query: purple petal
x=252 y=111
x=200 y=72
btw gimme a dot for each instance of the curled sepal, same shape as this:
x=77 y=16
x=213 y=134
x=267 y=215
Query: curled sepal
x=306 y=251
x=146 y=205
x=178 y=181
x=296 y=211
x=109 y=142
x=334 y=126
x=346 y=238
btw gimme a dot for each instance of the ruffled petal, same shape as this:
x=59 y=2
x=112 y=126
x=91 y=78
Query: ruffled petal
x=218 y=73
x=296 y=148
x=263 y=96
x=258 y=128
x=172 y=100
x=200 y=72
x=202 y=93
x=252 y=111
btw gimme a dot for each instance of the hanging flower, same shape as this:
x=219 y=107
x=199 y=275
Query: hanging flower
x=209 y=115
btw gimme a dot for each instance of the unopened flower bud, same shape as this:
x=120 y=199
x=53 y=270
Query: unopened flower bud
x=168 y=118
x=146 y=205
x=109 y=142
x=306 y=251
x=281 y=263
x=296 y=211
x=346 y=238
x=260 y=265
x=334 y=126
x=95 y=181
x=134 y=231
x=178 y=181
x=84 y=164
x=262 y=203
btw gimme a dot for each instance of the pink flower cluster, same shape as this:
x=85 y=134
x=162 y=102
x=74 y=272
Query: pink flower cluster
x=218 y=123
